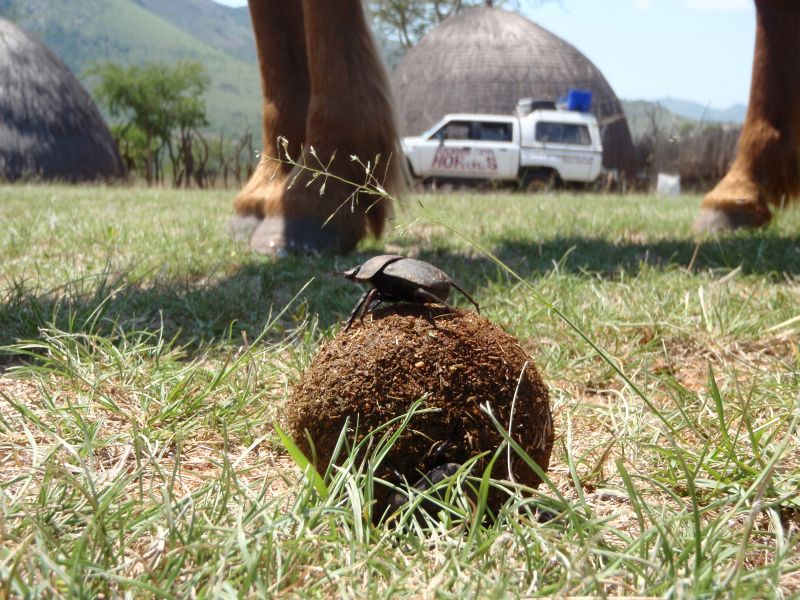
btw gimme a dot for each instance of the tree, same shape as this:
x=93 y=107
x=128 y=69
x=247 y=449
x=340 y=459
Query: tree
x=406 y=21
x=150 y=102
x=185 y=105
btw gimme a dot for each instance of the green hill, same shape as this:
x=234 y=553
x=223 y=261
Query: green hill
x=222 y=27
x=82 y=32
x=645 y=116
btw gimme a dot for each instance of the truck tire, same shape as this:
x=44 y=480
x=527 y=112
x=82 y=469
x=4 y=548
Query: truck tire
x=539 y=180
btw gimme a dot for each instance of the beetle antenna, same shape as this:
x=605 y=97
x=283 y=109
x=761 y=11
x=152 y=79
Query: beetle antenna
x=349 y=274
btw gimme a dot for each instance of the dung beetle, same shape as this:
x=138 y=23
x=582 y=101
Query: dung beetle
x=396 y=278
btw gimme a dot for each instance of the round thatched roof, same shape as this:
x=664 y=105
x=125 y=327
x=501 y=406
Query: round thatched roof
x=49 y=126
x=485 y=59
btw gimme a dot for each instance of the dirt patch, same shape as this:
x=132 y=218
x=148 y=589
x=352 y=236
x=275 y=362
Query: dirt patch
x=456 y=360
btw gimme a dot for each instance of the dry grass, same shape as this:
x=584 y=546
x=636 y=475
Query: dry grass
x=144 y=364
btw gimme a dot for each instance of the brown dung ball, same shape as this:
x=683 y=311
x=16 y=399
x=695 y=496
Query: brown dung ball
x=456 y=360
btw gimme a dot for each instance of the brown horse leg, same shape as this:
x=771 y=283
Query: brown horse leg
x=350 y=113
x=280 y=42
x=767 y=167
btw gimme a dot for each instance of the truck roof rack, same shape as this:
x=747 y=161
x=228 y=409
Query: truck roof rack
x=526 y=106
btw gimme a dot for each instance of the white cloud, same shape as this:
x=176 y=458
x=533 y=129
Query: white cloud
x=719 y=4
x=641 y=4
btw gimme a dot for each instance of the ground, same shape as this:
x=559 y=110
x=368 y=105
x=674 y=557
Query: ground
x=145 y=358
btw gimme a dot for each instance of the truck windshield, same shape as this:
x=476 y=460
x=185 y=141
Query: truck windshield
x=563 y=133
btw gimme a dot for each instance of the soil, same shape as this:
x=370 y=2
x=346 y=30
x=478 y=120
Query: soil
x=456 y=360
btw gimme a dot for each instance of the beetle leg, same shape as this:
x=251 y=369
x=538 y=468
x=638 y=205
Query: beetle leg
x=466 y=295
x=375 y=305
x=368 y=308
x=357 y=308
x=422 y=295
x=371 y=302
x=362 y=306
x=436 y=453
x=431 y=485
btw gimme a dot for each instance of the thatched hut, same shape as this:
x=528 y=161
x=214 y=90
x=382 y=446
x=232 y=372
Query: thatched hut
x=485 y=59
x=50 y=128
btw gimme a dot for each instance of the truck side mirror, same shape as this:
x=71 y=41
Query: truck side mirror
x=440 y=136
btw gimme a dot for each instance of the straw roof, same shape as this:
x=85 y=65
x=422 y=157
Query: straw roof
x=485 y=59
x=49 y=126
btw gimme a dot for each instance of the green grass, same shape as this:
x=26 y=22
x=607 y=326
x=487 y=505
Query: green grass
x=144 y=356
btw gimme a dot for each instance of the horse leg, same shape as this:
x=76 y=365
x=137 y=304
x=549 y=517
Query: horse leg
x=350 y=114
x=767 y=166
x=281 y=47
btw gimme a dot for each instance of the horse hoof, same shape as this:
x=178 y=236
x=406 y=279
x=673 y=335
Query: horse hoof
x=278 y=236
x=717 y=220
x=241 y=227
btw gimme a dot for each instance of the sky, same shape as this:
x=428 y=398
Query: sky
x=700 y=50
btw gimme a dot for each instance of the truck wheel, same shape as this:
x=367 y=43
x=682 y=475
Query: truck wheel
x=540 y=180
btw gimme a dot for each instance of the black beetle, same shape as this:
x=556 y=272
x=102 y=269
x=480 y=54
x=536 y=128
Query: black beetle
x=396 y=278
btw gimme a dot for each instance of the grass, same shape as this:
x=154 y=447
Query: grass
x=145 y=355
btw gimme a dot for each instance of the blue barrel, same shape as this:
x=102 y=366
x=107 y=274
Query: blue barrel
x=580 y=100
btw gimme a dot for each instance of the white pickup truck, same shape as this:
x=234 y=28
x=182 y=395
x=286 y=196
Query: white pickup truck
x=543 y=147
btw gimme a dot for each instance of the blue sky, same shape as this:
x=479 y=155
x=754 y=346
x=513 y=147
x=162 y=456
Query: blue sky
x=700 y=50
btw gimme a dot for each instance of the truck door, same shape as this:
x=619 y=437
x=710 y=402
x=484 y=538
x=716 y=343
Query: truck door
x=568 y=148
x=471 y=149
x=496 y=145
x=448 y=151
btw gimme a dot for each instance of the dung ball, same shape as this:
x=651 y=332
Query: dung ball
x=457 y=361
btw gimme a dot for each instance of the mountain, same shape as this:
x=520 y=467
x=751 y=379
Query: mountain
x=83 y=32
x=227 y=29
x=702 y=112
x=644 y=116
